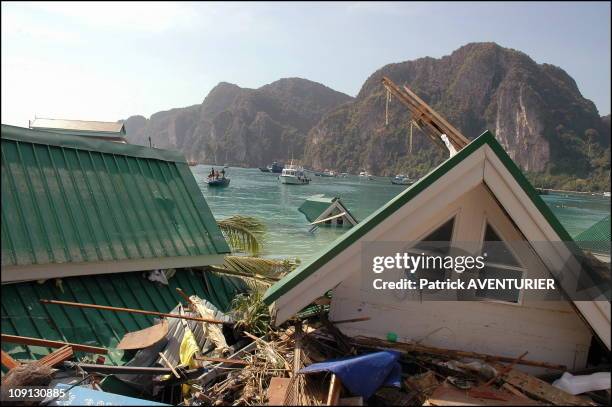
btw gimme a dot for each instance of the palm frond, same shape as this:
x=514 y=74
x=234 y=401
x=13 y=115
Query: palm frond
x=244 y=233
x=257 y=265
x=251 y=313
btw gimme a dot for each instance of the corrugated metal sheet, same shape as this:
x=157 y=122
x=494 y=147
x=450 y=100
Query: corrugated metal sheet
x=78 y=125
x=66 y=200
x=596 y=238
x=23 y=314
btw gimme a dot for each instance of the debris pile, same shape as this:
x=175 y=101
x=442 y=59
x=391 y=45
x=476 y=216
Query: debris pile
x=198 y=355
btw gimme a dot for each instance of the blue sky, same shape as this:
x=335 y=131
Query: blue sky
x=107 y=61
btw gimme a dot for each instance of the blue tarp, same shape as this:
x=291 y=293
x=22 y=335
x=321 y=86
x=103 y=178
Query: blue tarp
x=84 y=396
x=364 y=374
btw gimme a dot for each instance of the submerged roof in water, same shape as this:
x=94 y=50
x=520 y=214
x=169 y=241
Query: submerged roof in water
x=75 y=206
x=596 y=238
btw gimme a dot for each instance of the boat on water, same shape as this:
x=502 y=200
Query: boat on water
x=218 y=182
x=326 y=173
x=264 y=169
x=344 y=174
x=606 y=194
x=293 y=175
x=365 y=174
x=401 y=179
x=276 y=167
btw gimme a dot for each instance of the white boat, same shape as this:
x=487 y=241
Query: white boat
x=607 y=194
x=401 y=179
x=365 y=174
x=293 y=175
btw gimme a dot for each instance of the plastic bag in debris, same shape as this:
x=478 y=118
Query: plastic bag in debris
x=582 y=384
x=159 y=276
x=364 y=374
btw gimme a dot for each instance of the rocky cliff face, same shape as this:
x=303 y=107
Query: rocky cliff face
x=535 y=110
x=242 y=126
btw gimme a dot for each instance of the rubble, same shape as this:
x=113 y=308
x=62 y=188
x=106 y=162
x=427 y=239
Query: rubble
x=202 y=356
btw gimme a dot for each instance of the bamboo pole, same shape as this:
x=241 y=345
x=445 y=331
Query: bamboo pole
x=24 y=340
x=133 y=311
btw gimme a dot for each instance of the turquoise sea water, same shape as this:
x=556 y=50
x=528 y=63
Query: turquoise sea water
x=252 y=192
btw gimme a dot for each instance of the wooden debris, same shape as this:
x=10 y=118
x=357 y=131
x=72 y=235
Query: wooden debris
x=56 y=357
x=447 y=395
x=351 y=401
x=423 y=383
x=393 y=396
x=169 y=365
x=449 y=353
x=277 y=390
x=185 y=296
x=221 y=360
x=505 y=369
x=24 y=340
x=345 y=321
x=541 y=390
x=131 y=310
x=145 y=337
x=8 y=361
x=335 y=388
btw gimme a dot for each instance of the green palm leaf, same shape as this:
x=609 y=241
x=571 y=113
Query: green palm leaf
x=244 y=233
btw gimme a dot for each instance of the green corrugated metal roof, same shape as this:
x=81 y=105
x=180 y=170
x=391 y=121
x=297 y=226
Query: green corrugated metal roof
x=596 y=239
x=298 y=275
x=314 y=206
x=24 y=315
x=67 y=199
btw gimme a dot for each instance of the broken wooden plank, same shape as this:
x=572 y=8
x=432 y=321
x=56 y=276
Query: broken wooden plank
x=56 y=357
x=145 y=337
x=222 y=360
x=447 y=395
x=351 y=401
x=169 y=365
x=505 y=369
x=346 y=321
x=24 y=340
x=8 y=361
x=541 y=390
x=130 y=310
x=449 y=353
x=278 y=390
x=335 y=387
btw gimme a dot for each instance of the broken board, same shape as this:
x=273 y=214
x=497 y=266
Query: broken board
x=145 y=337
x=447 y=395
x=277 y=390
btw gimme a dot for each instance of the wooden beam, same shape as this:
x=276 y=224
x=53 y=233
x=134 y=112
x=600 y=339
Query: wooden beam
x=424 y=114
x=316 y=222
x=8 y=361
x=169 y=365
x=451 y=353
x=335 y=387
x=56 y=357
x=131 y=310
x=346 y=321
x=24 y=340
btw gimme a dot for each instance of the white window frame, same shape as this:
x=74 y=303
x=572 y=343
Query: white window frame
x=522 y=269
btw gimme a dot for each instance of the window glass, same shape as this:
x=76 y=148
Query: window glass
x=509 y=295
x=497 y=251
